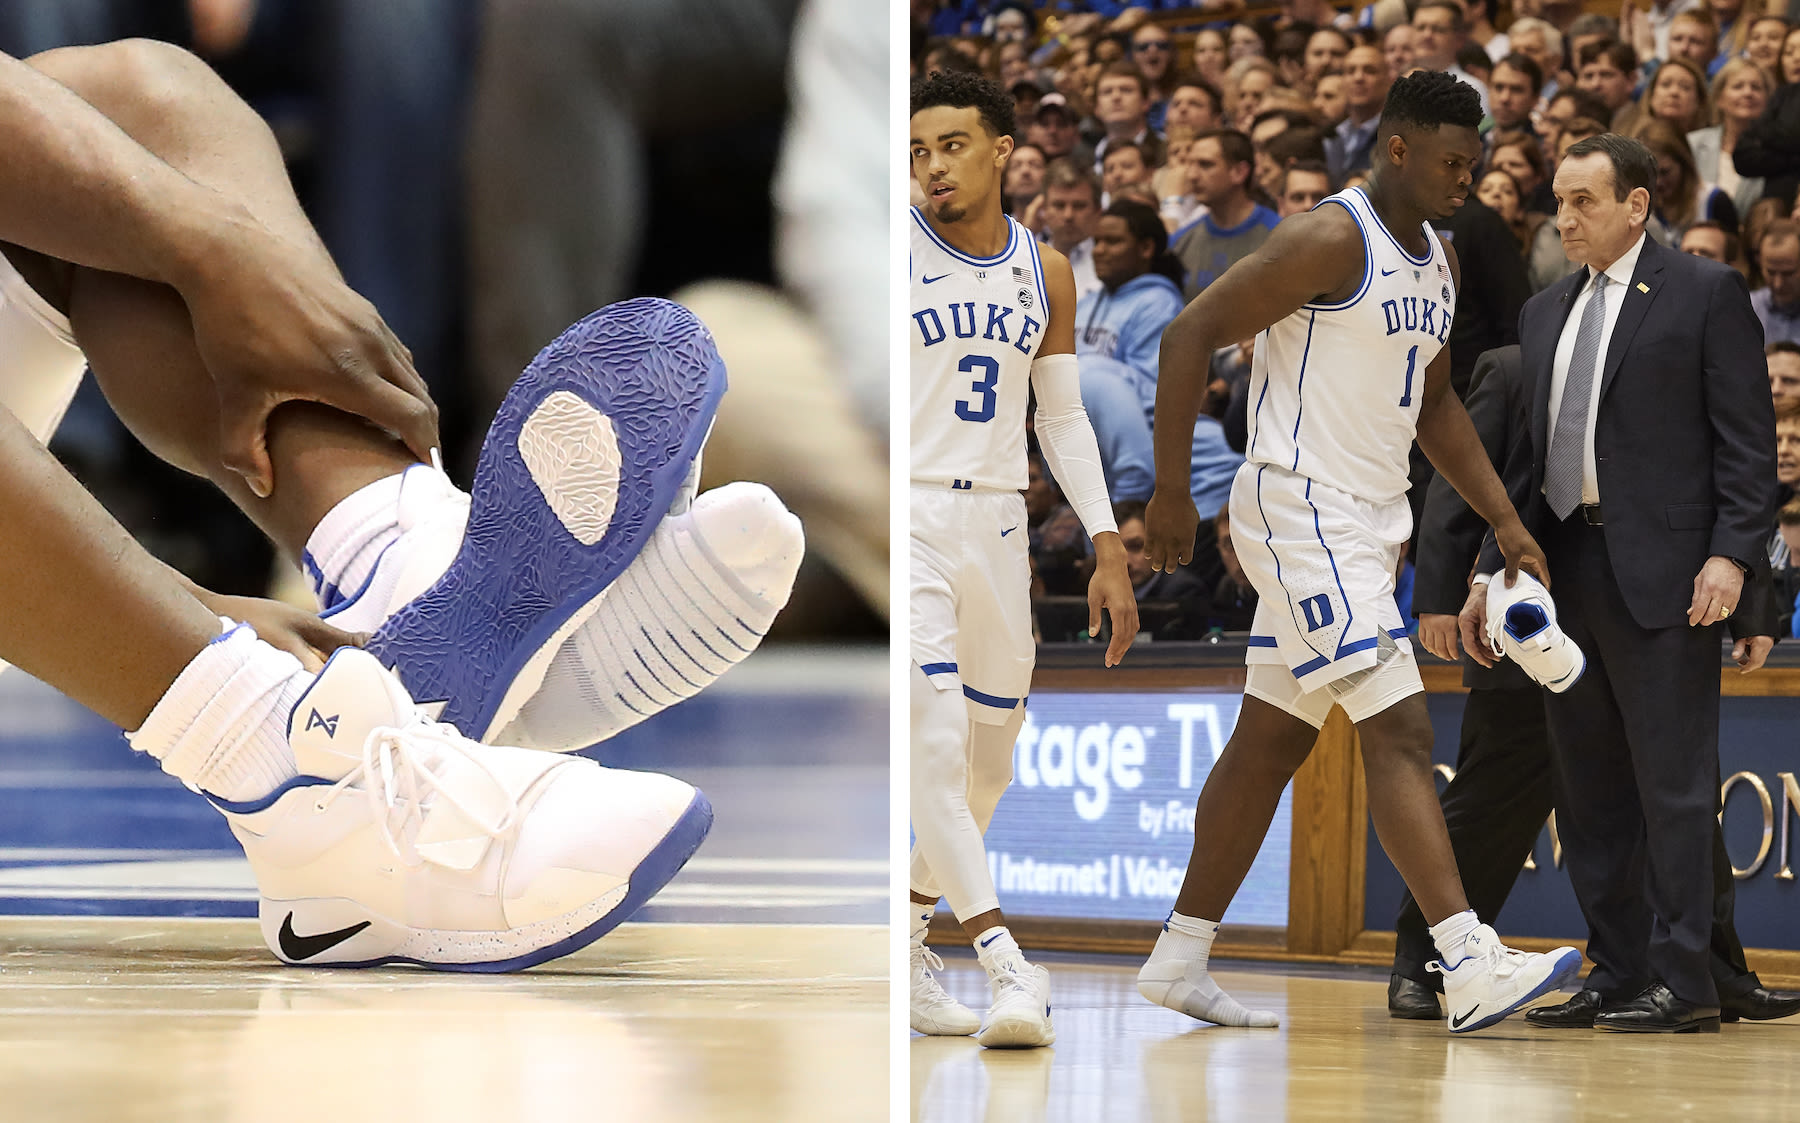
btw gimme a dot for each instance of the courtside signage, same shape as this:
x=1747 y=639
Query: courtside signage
x=1099 y=820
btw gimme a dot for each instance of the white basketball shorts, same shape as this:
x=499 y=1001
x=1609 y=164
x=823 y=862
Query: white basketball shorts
x=40 y=365
x=1322 y=562
x=971 y=596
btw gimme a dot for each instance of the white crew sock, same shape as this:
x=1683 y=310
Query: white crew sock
x=1175 y=976
x=997 y=949
x=342 y=550
x=1450 y=933
x=693 y=604
x=921 y=921
x=222 y=726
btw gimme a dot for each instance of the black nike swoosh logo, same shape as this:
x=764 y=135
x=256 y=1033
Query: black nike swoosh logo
x=930 y=280
x=296 y=946
x=1457 y=1023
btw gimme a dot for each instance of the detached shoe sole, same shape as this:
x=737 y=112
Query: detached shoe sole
x=307 y=932
x=586 y=455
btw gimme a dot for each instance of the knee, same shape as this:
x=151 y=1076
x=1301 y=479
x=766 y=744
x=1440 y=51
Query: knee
x=1408 y=741
x=148 y=79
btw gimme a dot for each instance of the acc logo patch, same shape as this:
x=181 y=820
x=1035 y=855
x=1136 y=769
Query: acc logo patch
x=1025 y=298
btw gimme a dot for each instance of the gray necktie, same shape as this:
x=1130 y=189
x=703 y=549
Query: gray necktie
x=1563 y=464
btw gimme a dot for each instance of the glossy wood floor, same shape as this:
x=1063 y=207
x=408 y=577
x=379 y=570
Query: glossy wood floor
x=191 y=1019
x=1336 y=1056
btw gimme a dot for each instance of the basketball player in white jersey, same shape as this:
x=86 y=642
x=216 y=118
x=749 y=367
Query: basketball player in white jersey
x=1351 y=304
x=990 y=308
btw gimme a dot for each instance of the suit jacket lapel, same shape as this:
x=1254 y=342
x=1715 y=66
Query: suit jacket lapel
x=1538 y=359
x=1639 y=294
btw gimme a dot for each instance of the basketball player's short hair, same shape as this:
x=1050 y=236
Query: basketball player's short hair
x=1782 y=347
x=1632 y=165
x=1426 y=99
x=1123 y=69
x=1067 y=173
x=1789 y=515
x=967 y=91
x=1235 y=146
x=1527 y=66
x=1621 y=56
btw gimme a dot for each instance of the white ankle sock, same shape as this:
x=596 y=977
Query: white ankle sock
x=1450 y=933
x=694 y=603
x=342 y=550
x=222 y=726
x=1175 y=976
x=996 y=946
x=921 y=921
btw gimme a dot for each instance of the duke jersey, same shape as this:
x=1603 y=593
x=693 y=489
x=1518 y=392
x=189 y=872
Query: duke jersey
x=1335 y=388
x=976 y=324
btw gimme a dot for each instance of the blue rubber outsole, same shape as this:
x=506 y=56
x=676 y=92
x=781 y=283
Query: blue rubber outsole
x=1569 y=968
x=655 y=871
x=651 y=368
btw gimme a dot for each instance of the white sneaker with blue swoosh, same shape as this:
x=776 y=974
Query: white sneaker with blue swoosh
x=1494 y=981
x=401 y=841
x=1019 y=1017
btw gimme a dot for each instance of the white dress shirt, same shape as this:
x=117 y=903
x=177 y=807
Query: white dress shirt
x=1081 y=262
x=1619 y=276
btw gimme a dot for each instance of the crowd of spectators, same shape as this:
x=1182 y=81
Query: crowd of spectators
x=1160 y=141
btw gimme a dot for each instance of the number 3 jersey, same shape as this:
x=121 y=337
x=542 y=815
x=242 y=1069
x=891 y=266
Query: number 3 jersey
x=1335 y=388
x=975 y=325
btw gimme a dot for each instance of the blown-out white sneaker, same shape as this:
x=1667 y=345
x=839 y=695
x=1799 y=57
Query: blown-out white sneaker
x=403 y=841
x=1019 y=1017
x=934 y=1012
x=692 y=604
x=1521 y=625
x=1494 y=981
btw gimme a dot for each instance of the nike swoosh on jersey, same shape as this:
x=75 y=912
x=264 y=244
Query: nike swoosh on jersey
x=1389 y=272
x=1008 y=531
x=930 y=280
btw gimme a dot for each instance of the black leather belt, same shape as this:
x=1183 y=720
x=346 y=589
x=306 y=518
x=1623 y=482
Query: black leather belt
x=1590 y=513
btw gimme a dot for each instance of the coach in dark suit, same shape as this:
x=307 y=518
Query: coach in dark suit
x=1648 y=477
x=1497 y=803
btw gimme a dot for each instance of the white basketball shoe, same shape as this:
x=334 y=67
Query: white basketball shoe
x=1493 y=981
x=1019 y=1017
x=934 y=1012
x=402 y=841
x=1521 y=625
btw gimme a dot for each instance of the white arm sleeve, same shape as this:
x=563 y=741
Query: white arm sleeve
x=1068 y=441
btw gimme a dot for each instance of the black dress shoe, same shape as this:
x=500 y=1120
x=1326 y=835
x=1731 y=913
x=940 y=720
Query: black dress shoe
x=1658 y=1010
x=1411 y=999
x=1759 y=1005
x=1576 y=1013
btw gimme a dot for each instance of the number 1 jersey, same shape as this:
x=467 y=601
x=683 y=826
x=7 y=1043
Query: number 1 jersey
x=1335 y=388
x=975 y=323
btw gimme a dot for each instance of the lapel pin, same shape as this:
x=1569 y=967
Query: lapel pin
x=1642 y=287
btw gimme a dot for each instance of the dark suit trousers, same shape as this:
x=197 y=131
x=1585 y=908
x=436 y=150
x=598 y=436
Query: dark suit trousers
x=1495 y=808
x=1634 y=752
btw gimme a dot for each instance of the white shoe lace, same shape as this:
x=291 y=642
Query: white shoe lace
x=394 y=774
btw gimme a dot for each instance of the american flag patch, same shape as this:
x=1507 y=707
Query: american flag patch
x=1444 y=270
x=1021 y=274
